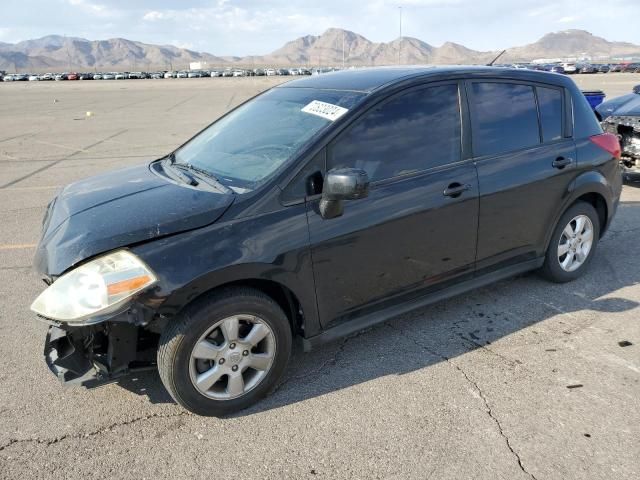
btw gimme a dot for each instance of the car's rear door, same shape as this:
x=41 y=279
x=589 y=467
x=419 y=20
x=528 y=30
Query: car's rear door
x=417 y=229
x=526 y=160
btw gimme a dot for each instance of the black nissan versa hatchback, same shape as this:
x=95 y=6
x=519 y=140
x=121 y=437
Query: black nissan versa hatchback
x=314 y=210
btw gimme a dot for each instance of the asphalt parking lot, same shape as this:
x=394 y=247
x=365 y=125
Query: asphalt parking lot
x=520 y=380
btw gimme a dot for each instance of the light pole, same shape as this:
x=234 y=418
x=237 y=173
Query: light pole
x=400 y=42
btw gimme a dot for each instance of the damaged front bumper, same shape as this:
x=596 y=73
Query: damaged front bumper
x=627 y=128
x=96 y=354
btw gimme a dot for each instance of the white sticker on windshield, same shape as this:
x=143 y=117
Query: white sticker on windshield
x=325 y=110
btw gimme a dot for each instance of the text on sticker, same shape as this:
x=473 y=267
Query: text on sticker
x=325 y=110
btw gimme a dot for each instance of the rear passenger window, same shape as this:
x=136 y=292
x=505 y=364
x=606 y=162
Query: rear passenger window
x=412 y=132
x=504 y=118
x=550 y=103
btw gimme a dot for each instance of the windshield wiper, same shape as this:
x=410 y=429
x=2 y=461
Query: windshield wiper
x=208 y=177
x=179 y=173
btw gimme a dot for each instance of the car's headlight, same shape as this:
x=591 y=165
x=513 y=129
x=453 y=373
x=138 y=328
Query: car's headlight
x=97 y=287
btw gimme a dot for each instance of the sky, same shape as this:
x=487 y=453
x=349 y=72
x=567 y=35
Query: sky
x=244 y=27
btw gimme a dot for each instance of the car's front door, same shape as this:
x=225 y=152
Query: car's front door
x=418 y=226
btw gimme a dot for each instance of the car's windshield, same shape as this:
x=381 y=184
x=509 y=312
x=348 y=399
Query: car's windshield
x=250 y=144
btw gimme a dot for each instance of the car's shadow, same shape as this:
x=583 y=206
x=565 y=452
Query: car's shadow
x=450 y=328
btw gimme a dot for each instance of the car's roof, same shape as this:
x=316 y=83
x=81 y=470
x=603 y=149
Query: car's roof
x=370 y=79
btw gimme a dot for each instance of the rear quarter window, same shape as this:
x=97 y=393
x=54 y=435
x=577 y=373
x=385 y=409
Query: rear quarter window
x=504 y=117
x=550 y=104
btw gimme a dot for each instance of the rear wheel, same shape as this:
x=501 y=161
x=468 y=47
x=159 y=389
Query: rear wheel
x=225 y=352
x=573 y=244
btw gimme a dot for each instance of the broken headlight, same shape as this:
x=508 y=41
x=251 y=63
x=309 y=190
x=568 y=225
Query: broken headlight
x=97 y=287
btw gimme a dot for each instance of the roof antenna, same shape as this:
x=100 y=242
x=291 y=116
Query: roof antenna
x=490 y=64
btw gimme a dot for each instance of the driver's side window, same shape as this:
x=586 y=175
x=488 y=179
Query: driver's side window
x=409 y=133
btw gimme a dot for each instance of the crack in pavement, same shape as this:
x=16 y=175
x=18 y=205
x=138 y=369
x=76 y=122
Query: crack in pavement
x=487 y=405
x=94 y=433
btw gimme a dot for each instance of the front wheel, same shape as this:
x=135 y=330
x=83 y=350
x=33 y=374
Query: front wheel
x=225 y=352
x=573 y=244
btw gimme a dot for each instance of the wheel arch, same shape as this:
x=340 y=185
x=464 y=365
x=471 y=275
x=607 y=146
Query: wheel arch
x=592 y=188
x=298 y=304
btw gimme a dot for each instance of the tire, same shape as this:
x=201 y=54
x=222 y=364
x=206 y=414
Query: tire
x=182 y=367
x=552 y=268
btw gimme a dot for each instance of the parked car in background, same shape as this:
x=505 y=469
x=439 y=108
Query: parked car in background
x=156 y=75
x=604 y=68
x=97 y=76
x=72 y=76
x=120 y=75
x=215 y=73
x=586 y=68
x=239 y=73
x=60 y=76
x=205 y=264
x=34 y=78
x=109 y=76
x=557 y=69
x=270 y=72
x=630 y=67
x=182 y=74
x=616 y=68
x=621 y=116
x=569 y=68
x=136 y=75
x=8 y=78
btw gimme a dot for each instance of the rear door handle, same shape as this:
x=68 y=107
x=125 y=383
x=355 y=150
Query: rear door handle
x=561 y=162
x=455 y=189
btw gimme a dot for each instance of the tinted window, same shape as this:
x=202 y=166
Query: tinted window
x=504 y=118
x=410 y=133
x=550 y=103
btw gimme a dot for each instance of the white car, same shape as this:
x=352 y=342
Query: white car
x=60 y=76
x=108 y=76
x=34 y=78
x=182 y=75
x=170 y=75
x=569 y=68
x=270 y=72
x=98 y=76
x=215 y=73
x=46 y=76
x=8 y=78
x=120 y=76
x=239 y=73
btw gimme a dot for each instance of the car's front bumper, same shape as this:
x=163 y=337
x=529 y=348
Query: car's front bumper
x=92 y=355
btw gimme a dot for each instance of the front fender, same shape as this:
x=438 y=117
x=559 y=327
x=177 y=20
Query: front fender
x=272 y=247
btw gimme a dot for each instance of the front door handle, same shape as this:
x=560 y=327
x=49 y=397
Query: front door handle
x=455 y=189
x=561 y=162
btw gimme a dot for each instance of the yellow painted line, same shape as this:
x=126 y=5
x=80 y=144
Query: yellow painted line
x=73 y=149
x=18 y=246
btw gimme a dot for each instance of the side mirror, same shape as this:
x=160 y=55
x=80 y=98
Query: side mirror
x=636 y=89
x=342 y=184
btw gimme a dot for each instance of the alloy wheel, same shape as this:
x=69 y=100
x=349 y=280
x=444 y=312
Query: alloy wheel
x=575 y=243
x=232 y=357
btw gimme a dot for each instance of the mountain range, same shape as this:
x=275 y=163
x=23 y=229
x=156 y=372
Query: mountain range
x=55 y=52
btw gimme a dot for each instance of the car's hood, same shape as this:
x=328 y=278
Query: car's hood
x=118 y=209
x=625 y=105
